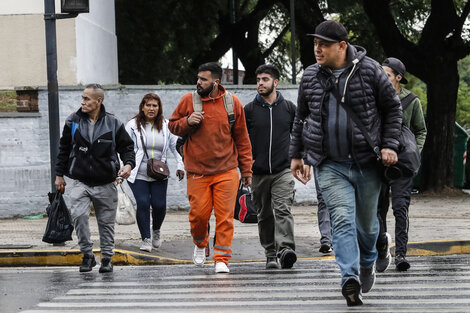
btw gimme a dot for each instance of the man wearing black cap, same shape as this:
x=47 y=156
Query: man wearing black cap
x=413 y=118
x=346 y=167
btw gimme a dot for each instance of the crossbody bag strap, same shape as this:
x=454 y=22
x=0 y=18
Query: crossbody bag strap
x=358 y=122
x=143 y=144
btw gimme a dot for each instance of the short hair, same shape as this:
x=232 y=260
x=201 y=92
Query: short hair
x=97 y=88
x=268 y=69
x=213 y=67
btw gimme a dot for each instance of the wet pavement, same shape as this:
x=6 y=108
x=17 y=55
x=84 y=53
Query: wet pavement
x=433 y=284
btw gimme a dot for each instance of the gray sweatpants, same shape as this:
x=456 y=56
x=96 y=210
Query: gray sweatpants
x=273 y=196
x=104 y=198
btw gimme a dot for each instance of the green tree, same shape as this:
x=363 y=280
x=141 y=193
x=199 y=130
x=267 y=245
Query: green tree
x=432 y=54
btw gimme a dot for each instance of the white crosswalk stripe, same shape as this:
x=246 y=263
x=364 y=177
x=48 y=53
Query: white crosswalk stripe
x=313 y=286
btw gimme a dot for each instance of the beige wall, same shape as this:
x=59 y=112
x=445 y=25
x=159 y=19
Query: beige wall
x=23 y=51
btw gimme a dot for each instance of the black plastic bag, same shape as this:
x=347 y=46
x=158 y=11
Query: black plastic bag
x=59 y=225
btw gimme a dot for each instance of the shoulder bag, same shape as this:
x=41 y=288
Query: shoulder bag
x=156 y=169
x=409 y=159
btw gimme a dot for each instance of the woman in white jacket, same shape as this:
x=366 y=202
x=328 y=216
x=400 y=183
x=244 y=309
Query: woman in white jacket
x=149 y=127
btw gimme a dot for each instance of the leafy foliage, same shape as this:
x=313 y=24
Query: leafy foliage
x=158 y=40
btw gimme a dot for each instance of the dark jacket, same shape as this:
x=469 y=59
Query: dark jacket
x=269 y=127
x=370 y=95
x=93 y=163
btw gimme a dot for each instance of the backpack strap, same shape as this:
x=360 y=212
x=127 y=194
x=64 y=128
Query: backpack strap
x=197 y=102
x=406 y=101
x=228 y=102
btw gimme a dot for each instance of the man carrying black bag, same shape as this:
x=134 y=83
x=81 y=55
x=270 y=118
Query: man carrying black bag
x=59 y=224
x=401 y=187
x=269 y=119
x=88 y=153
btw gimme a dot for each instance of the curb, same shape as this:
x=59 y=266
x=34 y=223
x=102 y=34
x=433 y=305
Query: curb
x=74 y=257
x=11 y=258
x=438 y=247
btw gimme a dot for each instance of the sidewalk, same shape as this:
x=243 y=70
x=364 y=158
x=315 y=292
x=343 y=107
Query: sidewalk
x=438 y=226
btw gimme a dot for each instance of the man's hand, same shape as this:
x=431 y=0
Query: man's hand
x=389 y=157
x=59 y=182
x=125 y=171
x=195 y=118
x=246 y=181
x=300 y=171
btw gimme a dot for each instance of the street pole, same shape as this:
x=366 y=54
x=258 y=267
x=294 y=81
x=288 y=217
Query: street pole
x=292 y=39
x=234 y=54
x=52 y=86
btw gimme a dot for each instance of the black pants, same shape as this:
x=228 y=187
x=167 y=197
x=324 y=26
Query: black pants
x=401 y=193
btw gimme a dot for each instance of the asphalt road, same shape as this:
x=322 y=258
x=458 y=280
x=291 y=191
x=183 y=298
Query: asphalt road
x=433 y=284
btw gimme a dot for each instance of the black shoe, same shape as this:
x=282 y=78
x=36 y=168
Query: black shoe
x=384 y=257
x=88 y=262
x=106 y=265
x=352 y=292
x=326 y=248
x=287 y=258
x=271 y=263
x=401 y=263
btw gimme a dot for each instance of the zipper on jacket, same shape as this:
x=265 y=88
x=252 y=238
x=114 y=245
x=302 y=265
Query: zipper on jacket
x=270 y=137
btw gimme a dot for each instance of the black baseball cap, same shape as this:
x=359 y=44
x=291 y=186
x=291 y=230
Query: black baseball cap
x=397 y=66
x=331 y=30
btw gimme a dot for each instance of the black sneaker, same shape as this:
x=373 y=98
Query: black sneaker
x=88 y=262
x=271 y=263
x=401 y=263
x=367 y=277
x=106 y=265
x=325 y=248
x=352 y=292
x=384 y=257
x=287 y=258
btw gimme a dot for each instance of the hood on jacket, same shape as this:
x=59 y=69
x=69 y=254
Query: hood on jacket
x=219 y=95
x=260 y=101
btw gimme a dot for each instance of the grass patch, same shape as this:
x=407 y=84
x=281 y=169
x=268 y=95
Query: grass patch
x=8 y=101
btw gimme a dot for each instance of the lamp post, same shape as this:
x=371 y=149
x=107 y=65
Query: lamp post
x=292 y=38
x=70 y=10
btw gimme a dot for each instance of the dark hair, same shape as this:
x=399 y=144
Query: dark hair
x=268 y=69
x=140 y=117
x=214 y=68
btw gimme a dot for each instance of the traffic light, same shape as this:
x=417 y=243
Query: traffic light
x=74 y=6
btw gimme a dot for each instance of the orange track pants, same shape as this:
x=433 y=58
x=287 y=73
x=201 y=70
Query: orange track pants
x=217 y=191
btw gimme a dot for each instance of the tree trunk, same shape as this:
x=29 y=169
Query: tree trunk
x=442 y=89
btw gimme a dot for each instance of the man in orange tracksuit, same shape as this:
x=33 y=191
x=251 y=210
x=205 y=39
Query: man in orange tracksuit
x=212 y=152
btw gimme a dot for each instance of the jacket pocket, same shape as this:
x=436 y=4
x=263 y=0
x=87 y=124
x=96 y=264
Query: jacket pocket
x=102 y=147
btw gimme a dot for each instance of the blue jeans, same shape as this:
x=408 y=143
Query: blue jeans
x=351 y=195
x=149 y=193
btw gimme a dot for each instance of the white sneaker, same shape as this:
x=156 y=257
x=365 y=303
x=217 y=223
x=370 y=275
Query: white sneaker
x=221 y=267
x=146 y=245
x=199 y=256
x=156 y=242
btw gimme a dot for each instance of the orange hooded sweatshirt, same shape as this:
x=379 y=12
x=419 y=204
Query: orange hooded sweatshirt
x=211 y=149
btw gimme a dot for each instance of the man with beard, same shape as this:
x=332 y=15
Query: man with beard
x=269 y=118
x=217 y=143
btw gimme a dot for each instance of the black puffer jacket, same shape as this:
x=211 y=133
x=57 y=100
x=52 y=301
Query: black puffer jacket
x=269 y=128
x=369 y=93
x=96 y=162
